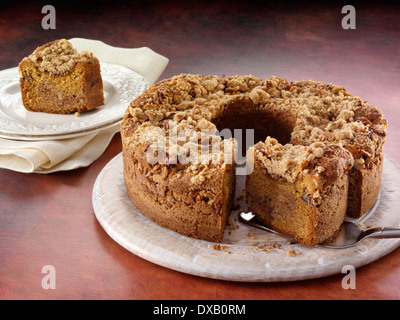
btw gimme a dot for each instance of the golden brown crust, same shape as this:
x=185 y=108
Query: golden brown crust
x=331 y=135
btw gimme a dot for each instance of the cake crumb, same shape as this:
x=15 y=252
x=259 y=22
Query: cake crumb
x=77 y=114
x=218 y=247
x=291 y=252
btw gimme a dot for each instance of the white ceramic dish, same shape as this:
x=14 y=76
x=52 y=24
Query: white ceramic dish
x=121 y=86
x=245 y=253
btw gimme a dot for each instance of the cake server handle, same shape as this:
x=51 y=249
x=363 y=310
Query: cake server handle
x=382 y=233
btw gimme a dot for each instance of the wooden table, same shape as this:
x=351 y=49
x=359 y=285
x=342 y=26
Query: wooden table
x=49 y=219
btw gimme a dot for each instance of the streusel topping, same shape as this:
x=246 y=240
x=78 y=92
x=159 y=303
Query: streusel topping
x=287 y=161
x=57 y=57
x=185 y=147
x=324 y=114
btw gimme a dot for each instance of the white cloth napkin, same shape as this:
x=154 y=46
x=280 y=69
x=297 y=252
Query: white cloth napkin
x=72 y=153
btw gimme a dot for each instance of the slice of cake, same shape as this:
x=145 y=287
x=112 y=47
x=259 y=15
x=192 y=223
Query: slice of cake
x=299 y=191
x=55 y=78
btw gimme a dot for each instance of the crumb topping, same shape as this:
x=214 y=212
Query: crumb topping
x=325 y=115
x=289 y=161
x=57 y=57
x=184 y=147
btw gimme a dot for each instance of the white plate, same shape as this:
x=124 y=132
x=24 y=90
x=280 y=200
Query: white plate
x=245 y=253
x=121 y=86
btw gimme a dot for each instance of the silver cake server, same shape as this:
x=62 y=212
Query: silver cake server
x=347 y=236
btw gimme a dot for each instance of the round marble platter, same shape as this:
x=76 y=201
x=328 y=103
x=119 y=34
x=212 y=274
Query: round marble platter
x=120 y=85
x=245 y=253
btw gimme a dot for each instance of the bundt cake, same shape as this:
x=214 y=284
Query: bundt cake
x=55 y=78
x=319 y=154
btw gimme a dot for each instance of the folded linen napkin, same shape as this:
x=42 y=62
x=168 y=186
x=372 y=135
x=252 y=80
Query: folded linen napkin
x=67 y=154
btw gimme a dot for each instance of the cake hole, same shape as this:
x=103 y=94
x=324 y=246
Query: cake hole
x=244 y=114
